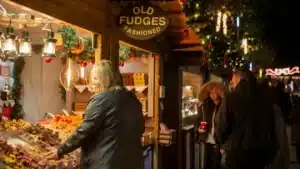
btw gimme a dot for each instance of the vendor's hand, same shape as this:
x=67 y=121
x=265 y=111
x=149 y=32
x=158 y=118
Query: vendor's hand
x=54 y=156
x=222 y=151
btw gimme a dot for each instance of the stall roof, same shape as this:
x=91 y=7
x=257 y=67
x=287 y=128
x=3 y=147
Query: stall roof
x=80 y=13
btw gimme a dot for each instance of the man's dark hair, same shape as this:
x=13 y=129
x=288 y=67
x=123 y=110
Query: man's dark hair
x=245 y=74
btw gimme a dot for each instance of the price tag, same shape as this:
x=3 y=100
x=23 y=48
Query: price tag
x=65 y=112
x=50 y=114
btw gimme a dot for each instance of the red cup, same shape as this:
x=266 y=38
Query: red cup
x=203 y=125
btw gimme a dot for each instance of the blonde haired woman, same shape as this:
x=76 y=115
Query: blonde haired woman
x=211 y=96
x=110 y=135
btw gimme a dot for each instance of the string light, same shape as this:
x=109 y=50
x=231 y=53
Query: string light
x=245 y=45
x=238 y=21
x=196 y=15
x=250 y=66
x=219 y=18
x=261 y=73
x=224 y=20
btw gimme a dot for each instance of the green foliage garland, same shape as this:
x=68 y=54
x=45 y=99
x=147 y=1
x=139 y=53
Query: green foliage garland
x=17 y=112
x=89 y=53
x=69 y=36
x=126 y=52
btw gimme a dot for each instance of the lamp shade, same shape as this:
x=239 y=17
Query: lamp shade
x=10 y=45
x=69 y=74
x=25 y=45
x=49 y=46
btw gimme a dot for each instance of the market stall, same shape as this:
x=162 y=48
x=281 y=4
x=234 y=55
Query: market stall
x=33 y=49
x=65 y=59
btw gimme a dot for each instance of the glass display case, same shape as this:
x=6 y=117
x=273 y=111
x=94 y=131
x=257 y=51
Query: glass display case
x=191 y=83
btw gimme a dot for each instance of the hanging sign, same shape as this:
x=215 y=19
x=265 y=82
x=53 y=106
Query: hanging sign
x=282 y=71
x=142 y=21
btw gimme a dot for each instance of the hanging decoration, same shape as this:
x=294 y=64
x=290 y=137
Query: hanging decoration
x=88 y=54
x=6 y=101
x=17 y=112
x=69 y=36
x=80 y=47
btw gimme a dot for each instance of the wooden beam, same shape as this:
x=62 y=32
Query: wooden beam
x=72 y=11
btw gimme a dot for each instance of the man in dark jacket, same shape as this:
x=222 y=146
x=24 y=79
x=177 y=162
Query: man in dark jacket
x=245 y=122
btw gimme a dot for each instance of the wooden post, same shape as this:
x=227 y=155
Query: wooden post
x=172 y=156
x=156 y=119
x=69 y=99
x=97 y=47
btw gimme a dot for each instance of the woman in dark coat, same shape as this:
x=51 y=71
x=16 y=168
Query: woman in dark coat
x=282 y=157
x=295 y=129
x=110 y=135
x=213 y=92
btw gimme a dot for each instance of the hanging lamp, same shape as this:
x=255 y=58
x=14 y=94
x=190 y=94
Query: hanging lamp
x=25 y=47
x=10 y=46
x=69 y=74
x=49 y=47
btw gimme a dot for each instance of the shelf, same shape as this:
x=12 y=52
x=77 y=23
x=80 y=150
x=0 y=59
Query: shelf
x=137 y=88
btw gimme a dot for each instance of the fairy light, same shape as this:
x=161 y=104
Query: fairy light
x=224 y=20
x=245 y=45
x=238 y=21
x=250 y=66
x=219 y=18
x=261 y=73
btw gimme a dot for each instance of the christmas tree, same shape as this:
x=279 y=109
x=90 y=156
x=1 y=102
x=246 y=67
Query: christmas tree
x=224 y=28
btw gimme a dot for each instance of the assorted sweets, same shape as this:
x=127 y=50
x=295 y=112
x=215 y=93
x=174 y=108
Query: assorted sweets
x=27 y=145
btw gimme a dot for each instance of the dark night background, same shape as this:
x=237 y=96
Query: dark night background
x=282 y=28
